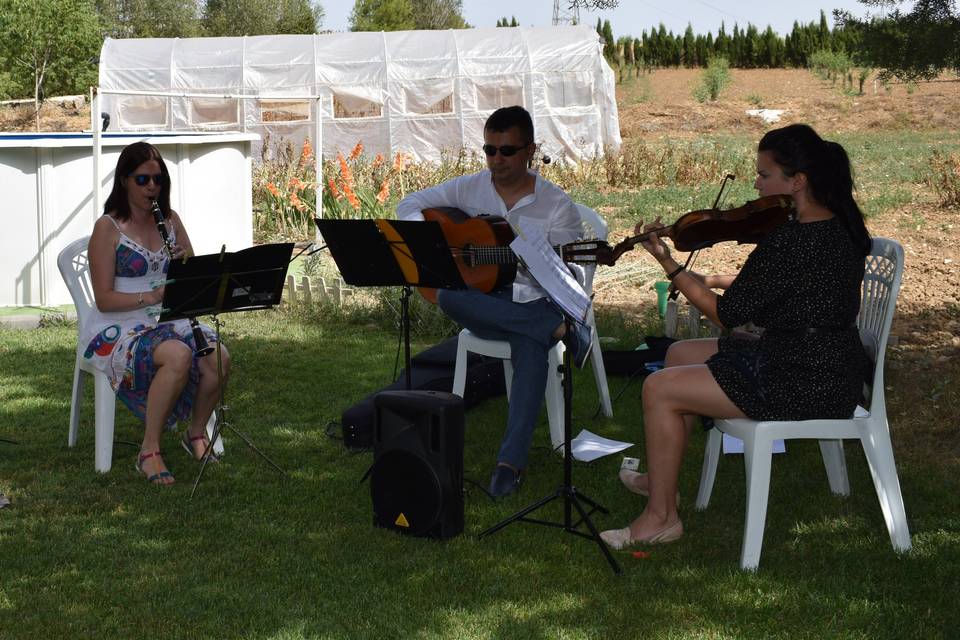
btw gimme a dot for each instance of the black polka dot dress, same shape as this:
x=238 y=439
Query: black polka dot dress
x=802 y=285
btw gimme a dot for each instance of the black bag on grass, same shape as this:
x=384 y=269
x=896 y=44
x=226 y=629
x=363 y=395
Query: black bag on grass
x=629 y=363
x=430 y=370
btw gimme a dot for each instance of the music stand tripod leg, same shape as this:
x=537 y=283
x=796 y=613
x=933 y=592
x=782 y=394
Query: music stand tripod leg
x=571 y=497
x=221 y=422
x=405 y=321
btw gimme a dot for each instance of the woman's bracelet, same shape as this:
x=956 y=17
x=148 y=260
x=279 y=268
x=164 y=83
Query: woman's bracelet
x=673 y=274
x=140 y=299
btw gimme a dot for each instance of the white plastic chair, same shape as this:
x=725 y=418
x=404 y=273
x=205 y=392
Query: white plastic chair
x=75 y=271
x=881 y=283
x=553 y=395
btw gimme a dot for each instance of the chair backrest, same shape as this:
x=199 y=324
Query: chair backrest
x=881 y=285
x=75 y=271
x=593 y=227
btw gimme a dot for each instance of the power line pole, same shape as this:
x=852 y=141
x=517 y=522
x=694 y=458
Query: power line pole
x=569 y=15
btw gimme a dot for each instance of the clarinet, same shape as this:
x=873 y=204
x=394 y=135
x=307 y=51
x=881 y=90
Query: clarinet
x=199 y=340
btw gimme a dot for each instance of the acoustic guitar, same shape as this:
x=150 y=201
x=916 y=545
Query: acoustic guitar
x=481 y=251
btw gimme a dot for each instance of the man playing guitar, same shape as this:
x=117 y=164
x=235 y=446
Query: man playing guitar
x=519 y=313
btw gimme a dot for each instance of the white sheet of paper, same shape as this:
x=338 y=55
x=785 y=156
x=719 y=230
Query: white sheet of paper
x=549 y=270
x=589 y=446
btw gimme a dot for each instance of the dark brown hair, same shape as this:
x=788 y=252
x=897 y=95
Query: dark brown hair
x=797 y=148
x=131 y=157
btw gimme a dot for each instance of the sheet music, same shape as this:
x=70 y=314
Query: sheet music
x=588 y=446
x=548 y=269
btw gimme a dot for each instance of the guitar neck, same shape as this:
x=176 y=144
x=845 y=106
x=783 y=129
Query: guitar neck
x=500 y=255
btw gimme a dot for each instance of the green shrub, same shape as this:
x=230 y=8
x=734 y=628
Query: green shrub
x=713 y=80
x=830 y=65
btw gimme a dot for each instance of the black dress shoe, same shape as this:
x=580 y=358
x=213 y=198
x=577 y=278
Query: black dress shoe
x=505 y=481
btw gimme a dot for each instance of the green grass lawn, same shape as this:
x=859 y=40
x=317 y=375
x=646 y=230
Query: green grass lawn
x=259 y=555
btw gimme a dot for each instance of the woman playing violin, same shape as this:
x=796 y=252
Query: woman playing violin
x=801 y=284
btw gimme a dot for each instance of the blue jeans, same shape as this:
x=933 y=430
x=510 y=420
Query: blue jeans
x=528 y=327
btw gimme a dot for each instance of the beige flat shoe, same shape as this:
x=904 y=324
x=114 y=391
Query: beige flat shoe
x=620 y=538
x=629 y=479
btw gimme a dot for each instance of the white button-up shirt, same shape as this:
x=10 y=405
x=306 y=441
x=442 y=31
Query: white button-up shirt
x=475 y=195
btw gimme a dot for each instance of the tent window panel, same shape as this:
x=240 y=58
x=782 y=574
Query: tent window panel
x=214 y=111
x=493 y=95
x=284 y=110
x=570 y=90
x=346 y=106
x=429 y=99
x=142 y=111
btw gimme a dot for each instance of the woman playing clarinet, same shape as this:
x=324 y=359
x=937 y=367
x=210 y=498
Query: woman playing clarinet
x=154 y=368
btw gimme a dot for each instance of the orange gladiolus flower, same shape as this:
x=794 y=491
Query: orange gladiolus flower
x=307 y=153
x=398 y=161
x=377 y=161
x=351 y=196
x=272 y=188
x=384 y=192
x=345 y=173
x=297 y=203
x=357 y=150
x=296 y=183
x=333 y=189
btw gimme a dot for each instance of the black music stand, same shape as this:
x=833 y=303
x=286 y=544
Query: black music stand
x=223 y=283
x=572 y=498
x=408 y=253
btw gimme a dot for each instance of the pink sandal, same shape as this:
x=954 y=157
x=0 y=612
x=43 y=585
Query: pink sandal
x=156 y=478
x=187 y=441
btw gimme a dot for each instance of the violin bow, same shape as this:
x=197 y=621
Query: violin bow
x=692 y=256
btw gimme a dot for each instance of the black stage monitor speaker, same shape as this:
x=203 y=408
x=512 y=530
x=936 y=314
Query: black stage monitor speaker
x=417 y=478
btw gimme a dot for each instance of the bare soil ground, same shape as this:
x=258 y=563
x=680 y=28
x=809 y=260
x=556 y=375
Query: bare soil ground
x=661 y=104
x=924 y=362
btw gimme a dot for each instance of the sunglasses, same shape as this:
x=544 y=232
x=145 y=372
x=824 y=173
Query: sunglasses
x=506 y=150
x=142 y=179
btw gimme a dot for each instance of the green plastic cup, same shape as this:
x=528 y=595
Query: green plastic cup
x=661 y=287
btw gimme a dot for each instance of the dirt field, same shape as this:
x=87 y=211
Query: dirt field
x=924 y=362
x=661 y=104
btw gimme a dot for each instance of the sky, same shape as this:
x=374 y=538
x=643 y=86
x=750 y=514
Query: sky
x=632 y=17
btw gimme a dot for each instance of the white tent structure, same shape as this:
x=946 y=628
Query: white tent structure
x=424 y=93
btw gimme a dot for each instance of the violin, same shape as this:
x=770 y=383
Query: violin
x=747 y=224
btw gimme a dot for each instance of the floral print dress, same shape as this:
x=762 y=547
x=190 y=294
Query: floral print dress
x=121 y=343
